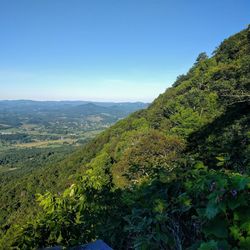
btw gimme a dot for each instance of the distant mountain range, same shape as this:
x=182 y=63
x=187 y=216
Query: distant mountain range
x=80 y=107
x=15 y=112
x=53 y=104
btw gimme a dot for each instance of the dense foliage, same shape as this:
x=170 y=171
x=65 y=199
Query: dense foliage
x=174 y=176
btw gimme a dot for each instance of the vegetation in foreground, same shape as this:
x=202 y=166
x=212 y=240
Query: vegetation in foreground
x=174 y=176
x=35 y=136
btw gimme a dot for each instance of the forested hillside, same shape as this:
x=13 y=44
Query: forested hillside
x=173 y=176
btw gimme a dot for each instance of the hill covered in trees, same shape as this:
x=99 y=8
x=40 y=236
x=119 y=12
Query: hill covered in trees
x=173 y=176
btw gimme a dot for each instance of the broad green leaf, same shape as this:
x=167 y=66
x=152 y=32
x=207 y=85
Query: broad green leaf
x=211 y=245
x=211 y=210
x=217 y=227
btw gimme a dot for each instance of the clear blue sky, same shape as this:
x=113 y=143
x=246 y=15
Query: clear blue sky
x=107 y=49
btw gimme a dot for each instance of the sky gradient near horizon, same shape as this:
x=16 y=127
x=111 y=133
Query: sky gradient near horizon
x=112 y=50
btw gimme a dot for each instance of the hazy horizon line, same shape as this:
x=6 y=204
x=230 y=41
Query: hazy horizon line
x=77 y=100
